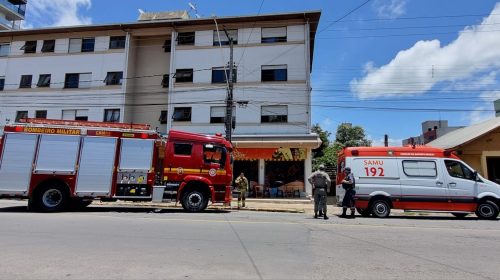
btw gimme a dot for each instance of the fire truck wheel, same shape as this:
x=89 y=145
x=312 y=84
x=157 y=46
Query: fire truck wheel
x=51 y=197
x=487 y=210
x=381 y=208
x=194 y=201
x=363 y=212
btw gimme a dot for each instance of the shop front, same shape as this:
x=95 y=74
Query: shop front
x=275 y=171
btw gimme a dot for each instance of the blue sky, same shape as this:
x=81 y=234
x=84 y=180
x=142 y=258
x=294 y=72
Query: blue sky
x=387 y=66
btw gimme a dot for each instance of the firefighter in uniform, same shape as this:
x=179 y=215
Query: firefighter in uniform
x=242 y=186
x=348 y=201
x=321 y=184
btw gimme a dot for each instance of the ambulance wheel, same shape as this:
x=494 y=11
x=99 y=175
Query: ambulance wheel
x=487 y=210
x=194 y=201
x=460 y=215
x=363 y=212
x=380 y=208
x=51 y=197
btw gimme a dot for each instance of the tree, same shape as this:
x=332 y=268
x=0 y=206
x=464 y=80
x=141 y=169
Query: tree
x=323 y=136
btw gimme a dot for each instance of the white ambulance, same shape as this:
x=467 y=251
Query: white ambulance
x=416 y=178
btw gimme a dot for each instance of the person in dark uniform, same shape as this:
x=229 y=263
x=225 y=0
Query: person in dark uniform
x=348 y=185
x=321 y=184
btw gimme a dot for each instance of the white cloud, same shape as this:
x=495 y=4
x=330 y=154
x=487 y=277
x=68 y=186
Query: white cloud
x=478 y=116
x=42 y=13
x=390 y=9
x=427 y=63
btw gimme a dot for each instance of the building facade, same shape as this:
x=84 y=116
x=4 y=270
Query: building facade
x=171 y=74
x=12 y=13
x=431 y=130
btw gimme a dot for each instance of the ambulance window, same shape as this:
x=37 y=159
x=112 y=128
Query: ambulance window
x=458 y=170
x=419 y=168
x=182 y=149
x=214 y=154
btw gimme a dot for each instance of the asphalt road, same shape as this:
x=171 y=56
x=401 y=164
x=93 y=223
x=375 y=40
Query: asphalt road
x=143 y=243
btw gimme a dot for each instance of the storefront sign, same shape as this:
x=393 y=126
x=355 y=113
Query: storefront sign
x=280 y=154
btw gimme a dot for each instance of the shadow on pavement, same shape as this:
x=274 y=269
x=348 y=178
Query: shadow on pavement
x=117 y=209
x=436 y=218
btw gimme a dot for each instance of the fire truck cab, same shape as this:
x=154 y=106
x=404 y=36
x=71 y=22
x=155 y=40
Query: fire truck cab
x=415 y=178
x=57 y=164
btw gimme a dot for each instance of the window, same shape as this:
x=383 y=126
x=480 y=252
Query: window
x=43 y=80
x=21 y=115
x=185 y=38
x=163 y=117
x=182 y=114
x=41 y=114
x=78 y=80
x=273 y=35
x=48 y=45
x=88 y=44
x=25 y=81
x=182 y=149
x=278 y=113
x=224 y=40
x=218 y=114
x=2 y=82
x=117 y=42
x=29 y=47
x=214 y=154
x=167 y=45
x=219 y=75
x=114 y=78
x=419 y=168
x=164 y=81
x=273 y=73
x=75 y=115
x=458 y=170
x=184 y=76
x=112 y=115
x=4 y=49
x=81 y=45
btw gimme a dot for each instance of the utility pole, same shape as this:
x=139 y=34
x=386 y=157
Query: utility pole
x=229 y=99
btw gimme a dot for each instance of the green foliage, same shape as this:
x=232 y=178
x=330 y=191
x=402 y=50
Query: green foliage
x=325 y=142
x=351 y=136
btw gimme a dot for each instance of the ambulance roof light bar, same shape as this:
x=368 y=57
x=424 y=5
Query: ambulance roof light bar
x=86 y=123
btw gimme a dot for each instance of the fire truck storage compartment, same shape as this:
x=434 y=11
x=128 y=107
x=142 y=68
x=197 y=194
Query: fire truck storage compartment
x=16 y=162
x=136 y=156
x=95 y=172
x=57 y=154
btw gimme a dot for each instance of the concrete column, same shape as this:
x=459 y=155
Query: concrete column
x=262 y=171
x=307 y=172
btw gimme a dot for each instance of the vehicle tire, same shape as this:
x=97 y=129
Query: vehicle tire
x=363 y=212
x=194 y=201
x=51 y=197
x=460 y=215
x=487 y=210
x=380 y=208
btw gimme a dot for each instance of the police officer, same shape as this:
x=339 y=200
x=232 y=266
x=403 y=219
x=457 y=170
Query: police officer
x=321 y=184
x=348 y=201
x=242 y=186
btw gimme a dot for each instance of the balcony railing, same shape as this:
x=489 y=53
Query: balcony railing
x=20 y=9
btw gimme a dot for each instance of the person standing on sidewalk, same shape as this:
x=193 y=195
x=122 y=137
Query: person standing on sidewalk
x=348 y=201
x=321 y=184
x=242 y=186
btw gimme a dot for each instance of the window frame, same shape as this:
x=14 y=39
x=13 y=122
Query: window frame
x=182 y=38
x=165 y=81
x=273 y=118
x=2 y=83
x=216 y=70
x=177 y=149
x=419 y=176
x=23 y=83
x=4 y=46
x=163 y=119
x=167 y=45
x=111 y=113
x=25 y=114
x=223 y=34
x=265 y=74
x=86 y=41
x=41 y=111
x=270 y=40
x=67 y=83
x=45 y=84
x=47 y=47
x=30 y=46
x=189 y=72
x=463 y=167
x=117 y=42
x=114 y=78
x=186 y=116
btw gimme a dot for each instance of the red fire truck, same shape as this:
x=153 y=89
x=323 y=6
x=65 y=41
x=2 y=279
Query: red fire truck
x=58 y=164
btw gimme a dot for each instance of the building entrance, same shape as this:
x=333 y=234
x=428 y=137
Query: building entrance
x=493 y=165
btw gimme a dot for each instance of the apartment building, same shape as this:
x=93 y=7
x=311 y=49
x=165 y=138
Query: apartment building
x=12 y=13
x=171 y=74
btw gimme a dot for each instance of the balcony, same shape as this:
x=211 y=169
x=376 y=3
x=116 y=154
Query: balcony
x=13 y=9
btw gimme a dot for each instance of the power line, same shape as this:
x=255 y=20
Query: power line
x=344 y=16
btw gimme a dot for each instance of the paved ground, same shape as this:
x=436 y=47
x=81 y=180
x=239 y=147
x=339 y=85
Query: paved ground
x=105 y=242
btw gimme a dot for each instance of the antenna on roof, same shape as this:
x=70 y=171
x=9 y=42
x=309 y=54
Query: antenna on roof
x=194 y=9
x=141 y=11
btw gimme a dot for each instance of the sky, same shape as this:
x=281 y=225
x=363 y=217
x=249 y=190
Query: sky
x=385 y=65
